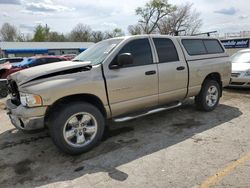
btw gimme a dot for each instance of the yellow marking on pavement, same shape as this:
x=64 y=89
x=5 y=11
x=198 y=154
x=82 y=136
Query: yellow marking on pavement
x=212 y=180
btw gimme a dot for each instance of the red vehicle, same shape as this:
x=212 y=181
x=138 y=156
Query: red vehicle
x=69 y=56
x=7 y=68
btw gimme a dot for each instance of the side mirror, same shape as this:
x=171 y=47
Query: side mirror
x=123 y=59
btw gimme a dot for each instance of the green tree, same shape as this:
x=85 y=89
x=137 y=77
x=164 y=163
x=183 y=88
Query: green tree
x=40 y=33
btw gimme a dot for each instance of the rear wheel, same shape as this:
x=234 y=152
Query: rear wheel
x=209 y=96
x=77 y=128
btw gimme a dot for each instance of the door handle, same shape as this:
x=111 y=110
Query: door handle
x=150 y=72
x=180 y=68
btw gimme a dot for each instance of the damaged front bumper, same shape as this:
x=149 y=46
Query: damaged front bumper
x=26 y=118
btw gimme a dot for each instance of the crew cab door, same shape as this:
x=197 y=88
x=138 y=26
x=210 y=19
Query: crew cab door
x=135 y=86
x=173 y=70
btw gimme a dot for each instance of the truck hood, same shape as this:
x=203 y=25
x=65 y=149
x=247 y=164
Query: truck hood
x=240 y=67
x=48 y=70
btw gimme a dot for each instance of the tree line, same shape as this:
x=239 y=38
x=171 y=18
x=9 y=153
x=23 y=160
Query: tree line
x=155 y=17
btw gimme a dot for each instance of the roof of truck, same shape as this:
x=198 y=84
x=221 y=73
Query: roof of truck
x=167 y=36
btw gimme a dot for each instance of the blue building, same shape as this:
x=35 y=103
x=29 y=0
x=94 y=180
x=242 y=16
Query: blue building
x=27 y=49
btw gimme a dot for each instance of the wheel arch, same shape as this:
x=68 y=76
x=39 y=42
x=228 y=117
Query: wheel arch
x=90 y=98
x=214 y=76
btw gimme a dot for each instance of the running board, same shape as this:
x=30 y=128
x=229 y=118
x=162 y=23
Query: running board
x=122 y=119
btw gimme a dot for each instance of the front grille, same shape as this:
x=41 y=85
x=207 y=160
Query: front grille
x=13 y=90
x=235 y=75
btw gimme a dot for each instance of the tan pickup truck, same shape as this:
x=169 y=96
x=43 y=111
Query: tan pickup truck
x=119 y=79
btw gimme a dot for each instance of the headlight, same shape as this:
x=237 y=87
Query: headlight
x=30 y=100
x=247 y=72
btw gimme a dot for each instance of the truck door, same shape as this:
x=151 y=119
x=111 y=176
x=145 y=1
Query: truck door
x=173 y=70
x=135 y=86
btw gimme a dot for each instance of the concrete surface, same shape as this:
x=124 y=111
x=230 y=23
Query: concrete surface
x=178 y=148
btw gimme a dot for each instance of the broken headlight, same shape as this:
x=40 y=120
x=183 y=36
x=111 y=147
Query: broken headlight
x=30 y=100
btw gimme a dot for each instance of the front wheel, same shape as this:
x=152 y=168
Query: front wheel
x=3 y=93
x=209 y=96
x=77 y=128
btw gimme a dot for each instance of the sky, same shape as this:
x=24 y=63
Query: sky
x=62 y=15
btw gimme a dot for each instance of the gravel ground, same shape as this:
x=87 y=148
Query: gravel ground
x=178 y=148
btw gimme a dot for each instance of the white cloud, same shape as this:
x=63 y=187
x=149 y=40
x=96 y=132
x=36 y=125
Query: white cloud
x=243 y=17
x=226 y=11
x=5 y=14
x=63 y=15
x=44 y=6
x=15 y=2
x=109 y=24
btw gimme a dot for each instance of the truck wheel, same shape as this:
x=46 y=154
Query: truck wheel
x=209 y=96
x=3 y=93
x=77 y=127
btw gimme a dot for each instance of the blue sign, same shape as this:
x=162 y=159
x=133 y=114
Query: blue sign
x=236 y=43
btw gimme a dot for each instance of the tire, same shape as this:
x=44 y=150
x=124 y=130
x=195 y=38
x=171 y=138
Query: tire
x=69 y=133
x=3 y=93
x=209 y=96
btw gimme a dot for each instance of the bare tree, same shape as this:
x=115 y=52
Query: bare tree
x=81 y=33
x=152 y=13
x=56 y=37
x=21 y=37
x=135 y=29
x=117 y=32
x=98 y=36
x=8 y=32
x=183 y=18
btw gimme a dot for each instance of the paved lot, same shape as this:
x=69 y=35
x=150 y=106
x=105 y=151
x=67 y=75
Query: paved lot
x=178 y=148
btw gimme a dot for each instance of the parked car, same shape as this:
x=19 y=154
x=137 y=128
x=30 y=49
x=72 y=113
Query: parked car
x=118 y=79
x=69 y=56
x=11 y=60
x=7 y=68
x=240 y=76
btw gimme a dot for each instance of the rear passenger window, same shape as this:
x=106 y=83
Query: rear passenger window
x=194 y=46
x=166 y=50
x=213 y=46
x=202 y=46
x=141 y=51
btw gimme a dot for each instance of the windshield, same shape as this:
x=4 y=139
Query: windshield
x=98 y=52
x=241 y=57
x=24 y=63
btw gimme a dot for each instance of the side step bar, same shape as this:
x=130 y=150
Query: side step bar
x=122 y=119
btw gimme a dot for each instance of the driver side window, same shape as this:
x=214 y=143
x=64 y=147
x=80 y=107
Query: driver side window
x=140 y=49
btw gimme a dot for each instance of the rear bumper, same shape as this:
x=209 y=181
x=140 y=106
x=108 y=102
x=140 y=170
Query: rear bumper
x=26 y=118
x=240 y=82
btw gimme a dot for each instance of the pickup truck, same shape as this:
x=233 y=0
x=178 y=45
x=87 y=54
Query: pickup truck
x=118 y=79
